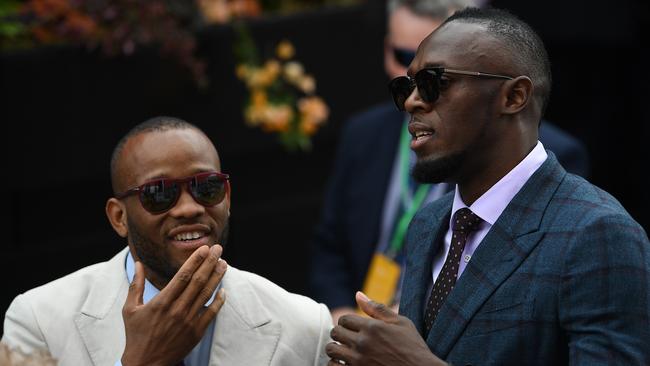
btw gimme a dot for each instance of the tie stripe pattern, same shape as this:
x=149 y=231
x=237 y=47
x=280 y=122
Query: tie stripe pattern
x=464 y=222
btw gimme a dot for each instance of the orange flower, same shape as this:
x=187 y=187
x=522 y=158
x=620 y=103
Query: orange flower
x=307 y=84
x=241 y=71
x=215 y=11
x=293 y=71
x=277 y=118
x=250 y=8
x=313 y=109
x=285 y=50
x=308 y=127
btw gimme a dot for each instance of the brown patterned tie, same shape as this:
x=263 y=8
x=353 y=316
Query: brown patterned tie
x=464 y=222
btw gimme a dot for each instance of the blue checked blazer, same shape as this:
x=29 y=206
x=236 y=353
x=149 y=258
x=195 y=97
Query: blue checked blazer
x=561 y=278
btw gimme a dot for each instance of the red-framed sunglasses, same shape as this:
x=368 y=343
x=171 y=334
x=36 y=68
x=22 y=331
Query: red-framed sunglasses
x=160 y=195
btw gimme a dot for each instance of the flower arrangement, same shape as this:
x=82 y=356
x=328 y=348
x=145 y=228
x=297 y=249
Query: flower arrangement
x=282 y=97
x=117 y=27
x=120 y=27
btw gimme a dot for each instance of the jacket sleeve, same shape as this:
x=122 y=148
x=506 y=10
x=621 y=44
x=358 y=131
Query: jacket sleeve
x=321 y=358
x=21 y=328
x=605 y=294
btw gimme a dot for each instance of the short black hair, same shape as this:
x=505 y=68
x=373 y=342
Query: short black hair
x=157 y=124
x=522 y=42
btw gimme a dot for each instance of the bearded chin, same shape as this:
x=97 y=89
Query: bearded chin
x=437 y=170
x=151 y=254
x=155 y=257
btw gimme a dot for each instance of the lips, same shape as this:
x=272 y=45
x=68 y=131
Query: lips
x=420 y=134
x=190 y=236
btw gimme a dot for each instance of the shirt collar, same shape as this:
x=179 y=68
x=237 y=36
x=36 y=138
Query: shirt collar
x=493 y=202
x=150 y=291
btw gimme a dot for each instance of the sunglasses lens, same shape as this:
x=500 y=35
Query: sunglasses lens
x=400 y=87
x=428 y=82
x=208 y=190
x=158 y=196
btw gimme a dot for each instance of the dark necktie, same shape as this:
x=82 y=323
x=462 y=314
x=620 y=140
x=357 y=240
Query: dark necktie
x=182 y=363
x=464 y=222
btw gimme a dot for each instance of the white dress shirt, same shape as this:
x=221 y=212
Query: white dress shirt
x=489 y=207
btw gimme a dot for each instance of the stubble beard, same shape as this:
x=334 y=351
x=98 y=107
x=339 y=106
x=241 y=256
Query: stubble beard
x=155 y=257
x=429 y=170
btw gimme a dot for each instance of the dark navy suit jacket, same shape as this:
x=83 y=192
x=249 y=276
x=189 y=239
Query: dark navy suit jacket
x=561 y=278
x=347 y=234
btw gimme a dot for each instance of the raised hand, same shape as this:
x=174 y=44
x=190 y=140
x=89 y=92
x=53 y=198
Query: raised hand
x=385 y=338
x=167 y=328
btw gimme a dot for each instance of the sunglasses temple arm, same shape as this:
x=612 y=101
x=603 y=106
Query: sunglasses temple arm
x=477 y=73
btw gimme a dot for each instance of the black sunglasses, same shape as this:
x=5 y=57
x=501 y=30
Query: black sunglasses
x=403 y=56
x=427 y=81
x=160 y=195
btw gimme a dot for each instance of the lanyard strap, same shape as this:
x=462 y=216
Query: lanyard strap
x=411 y=203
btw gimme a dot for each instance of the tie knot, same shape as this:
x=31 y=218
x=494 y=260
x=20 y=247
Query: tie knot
x=465 y=220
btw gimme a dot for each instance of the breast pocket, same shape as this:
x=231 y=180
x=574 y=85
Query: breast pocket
x=502 y=314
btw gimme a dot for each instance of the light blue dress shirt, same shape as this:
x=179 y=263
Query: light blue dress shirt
x=200 y=355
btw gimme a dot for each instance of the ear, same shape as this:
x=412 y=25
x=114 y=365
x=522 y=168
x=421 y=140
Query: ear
x=518 y=93
x=116 y=213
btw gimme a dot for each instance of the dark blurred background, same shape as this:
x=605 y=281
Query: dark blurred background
x=64 y=108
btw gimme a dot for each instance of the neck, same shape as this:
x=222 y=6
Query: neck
x=481 y=177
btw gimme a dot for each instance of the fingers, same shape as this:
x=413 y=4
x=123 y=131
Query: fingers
x=375 y=309
x=197 y=287
x=343 y=335
x=354 y=322
x=136 y=288
x=182 y=278
x=204 y=295
x=212 y=310
x=338 y=352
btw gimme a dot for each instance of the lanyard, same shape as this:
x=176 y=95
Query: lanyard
x=411 y=203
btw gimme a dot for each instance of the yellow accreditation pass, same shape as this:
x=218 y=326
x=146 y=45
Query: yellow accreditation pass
x=381 y=281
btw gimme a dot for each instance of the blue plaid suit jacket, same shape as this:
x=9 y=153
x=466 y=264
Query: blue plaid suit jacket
x=562 y=278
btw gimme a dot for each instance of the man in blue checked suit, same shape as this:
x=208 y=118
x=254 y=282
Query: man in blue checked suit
x=524 y=263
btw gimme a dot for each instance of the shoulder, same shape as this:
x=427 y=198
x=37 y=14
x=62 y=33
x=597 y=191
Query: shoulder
x=305 y=324
x=595 y=225
x=72 y=286
x=50 y=309
x=76 y=285
x=295 y=308
x=586 y=203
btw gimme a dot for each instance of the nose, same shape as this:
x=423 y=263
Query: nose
x=186 y=206
x=414 y=103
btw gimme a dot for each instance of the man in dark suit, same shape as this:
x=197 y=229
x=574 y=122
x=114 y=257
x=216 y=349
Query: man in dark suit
x=361 y=206
x=524 y=263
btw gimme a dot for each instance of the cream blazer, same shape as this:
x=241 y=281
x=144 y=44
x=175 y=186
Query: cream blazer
x=78 y=318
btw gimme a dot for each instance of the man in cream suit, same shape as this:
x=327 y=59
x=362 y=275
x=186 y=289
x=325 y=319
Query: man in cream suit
x=162 y=300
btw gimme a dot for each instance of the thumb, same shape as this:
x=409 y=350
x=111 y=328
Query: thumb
x=374 y=309
x=136 y=288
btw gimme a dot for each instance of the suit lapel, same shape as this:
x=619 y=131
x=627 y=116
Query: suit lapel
x=245 y=333
x=510 y=240
x=423 y=242
x=96 y=322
